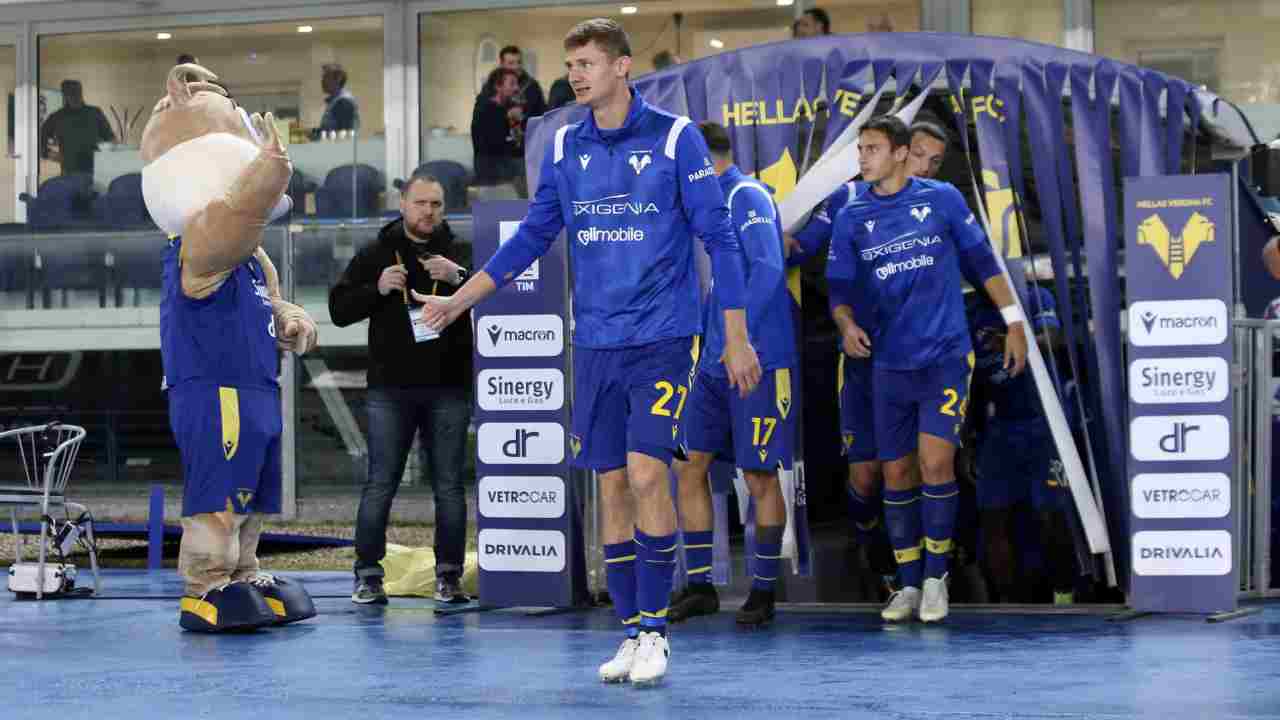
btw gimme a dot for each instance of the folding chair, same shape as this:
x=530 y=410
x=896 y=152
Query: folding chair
x=46 y=453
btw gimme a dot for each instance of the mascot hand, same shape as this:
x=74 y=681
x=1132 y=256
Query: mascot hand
x=295 y=330
x=268 y=137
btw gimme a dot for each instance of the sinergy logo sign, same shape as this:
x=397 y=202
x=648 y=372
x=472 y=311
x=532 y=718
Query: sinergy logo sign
x=1155 y=381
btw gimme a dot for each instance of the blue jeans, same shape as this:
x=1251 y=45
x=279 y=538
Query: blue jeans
x=440 y=416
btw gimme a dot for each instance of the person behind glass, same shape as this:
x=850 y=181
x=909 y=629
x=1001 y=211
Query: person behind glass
x=419 y=381
x=72 y=133
x=341 y=110
x=528 y=98
x=560 y=94
x=813 y=23
x=497 y=153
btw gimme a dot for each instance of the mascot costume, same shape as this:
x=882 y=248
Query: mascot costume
x=213 y=178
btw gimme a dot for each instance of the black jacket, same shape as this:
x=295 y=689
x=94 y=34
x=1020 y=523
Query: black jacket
x=394 y=358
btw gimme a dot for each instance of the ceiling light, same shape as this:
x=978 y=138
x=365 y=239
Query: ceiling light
x=163 y=36
x=786 y=3
x=717 y=43
x=630 y=9
x=305 y=28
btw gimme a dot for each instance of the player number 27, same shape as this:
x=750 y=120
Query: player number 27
x=949 y=407
x=668 y=390
x=767 y=424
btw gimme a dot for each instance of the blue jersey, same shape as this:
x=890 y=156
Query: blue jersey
x=759 y=232
x=817 y=232
x=226 y=339
x=632 y=200
x=1013 y=398
x=908 y=252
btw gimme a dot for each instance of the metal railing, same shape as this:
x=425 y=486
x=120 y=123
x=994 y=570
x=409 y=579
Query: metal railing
x=1255 y=407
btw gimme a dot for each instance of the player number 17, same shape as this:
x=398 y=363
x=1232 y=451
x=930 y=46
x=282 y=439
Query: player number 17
x=767 y=424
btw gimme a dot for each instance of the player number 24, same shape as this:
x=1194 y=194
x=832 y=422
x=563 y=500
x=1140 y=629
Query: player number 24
x=949 y=407
x=668 y=390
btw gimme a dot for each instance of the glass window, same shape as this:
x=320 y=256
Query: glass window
x=8 y=143
x=1226 y=46
x=1035 y=20
x=321 y=78
x=458 y=51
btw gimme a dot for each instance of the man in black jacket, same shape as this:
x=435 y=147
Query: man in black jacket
x=418 y=382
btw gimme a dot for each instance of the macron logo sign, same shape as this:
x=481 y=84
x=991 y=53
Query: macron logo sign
x=520 y=336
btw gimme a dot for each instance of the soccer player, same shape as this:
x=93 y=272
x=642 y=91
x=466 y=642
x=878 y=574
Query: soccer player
x=757 y=431
x=633 y=184
x=853 y=375
x=897 y=252
x=1017 y=461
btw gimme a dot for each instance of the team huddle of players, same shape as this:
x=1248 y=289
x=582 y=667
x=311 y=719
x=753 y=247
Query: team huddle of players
x=914 y=357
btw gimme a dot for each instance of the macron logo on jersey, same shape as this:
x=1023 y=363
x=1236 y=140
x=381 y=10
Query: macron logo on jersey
x=585 y=160
x=871 y=226
x=920 y=212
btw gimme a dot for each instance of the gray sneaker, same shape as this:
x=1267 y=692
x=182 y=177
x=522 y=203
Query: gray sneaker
x=449 y=590
x=369 y=592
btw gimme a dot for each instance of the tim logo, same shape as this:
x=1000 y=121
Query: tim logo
x=584 y=160
x=920 y=212
x=871 y=226
x=1175 y=251
x=639 y=161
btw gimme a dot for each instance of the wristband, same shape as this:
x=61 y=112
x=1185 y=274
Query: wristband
x=1012 y=314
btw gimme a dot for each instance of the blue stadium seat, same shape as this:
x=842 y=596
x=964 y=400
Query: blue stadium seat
x=123 y=205
x=334 y=199
x=61 y=202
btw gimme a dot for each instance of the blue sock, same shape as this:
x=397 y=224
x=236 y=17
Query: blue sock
x=768 y=555
x=939 y=512
x=657 y=557
x=620 y=578
x=697 y=556
x=902 y=515
x=864 y=515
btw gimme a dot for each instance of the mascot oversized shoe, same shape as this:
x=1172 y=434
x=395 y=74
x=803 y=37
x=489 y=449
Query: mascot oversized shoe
x=288 y=599
x=230 y=608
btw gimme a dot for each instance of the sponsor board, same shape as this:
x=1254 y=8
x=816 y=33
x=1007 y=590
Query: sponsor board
x=1156 y=381
x=530 y=443
x=507 y=496
x=1182 y=552
x=520 y=335
x=1167 y=496
x=510 y=550
x=1157 y=438
x=1171 y=323
x=502 y=389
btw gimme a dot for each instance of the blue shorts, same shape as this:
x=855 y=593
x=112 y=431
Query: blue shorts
x=1017 y=461
x=929 y=400
x=229 y=441
x=756 y=432
x=857 y=416
x=629 y=400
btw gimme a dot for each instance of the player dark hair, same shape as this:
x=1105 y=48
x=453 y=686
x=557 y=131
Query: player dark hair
x=717 y=138
x=892 y=127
